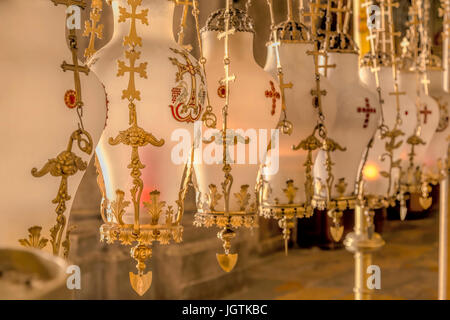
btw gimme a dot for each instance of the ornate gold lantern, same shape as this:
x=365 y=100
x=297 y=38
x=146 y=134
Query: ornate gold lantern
x=355 y=123
x=156 y=91
x=290 y=51
x=379 y=70
x=50 y=127
x=226 y=169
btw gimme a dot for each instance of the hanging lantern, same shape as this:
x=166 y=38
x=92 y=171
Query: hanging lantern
x=379 y=70
x=49 y=127
x=156 y=91
x=436 y=156
x=355 y=123
x=414 y=80
x=246 y=101
x=287 y=193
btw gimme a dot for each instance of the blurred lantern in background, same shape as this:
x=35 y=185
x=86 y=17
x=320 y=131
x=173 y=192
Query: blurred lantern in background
x=436 y=157
x=356 y=121
x=416 y=55
x=287 y=193
x=379 y=71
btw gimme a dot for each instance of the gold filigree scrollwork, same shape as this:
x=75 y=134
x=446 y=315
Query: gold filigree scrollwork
x=118 y=206
x=329 y=146
x=243 y=197
x=310 y=144
x=291 y=191
x=66 y=164
x=186 y=107
x=213 y=197
x=155 y=207
x=92 y=29
x=35 y=240
x=443 y=115
x=390 y=146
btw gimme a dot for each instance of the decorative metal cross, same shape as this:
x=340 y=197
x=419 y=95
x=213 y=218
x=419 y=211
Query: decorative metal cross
x=274 y=95
x=68 y=3
x=133 y=39
x=326 y=66
x=388 y=4
x=91 y=29
x=397 y=94
x=317 y=93
x=226 y=34
x=76 y=68
x=425 y=81
x=367 y=110
x=283 y=86
x=131 y=93
x=425 y=113
x=314 y=13
x=339 y=10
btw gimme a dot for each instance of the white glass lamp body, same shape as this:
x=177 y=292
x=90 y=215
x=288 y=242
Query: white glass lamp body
x=298 y=68
x=357 y=114
x=429 y=118
x=438 y=147
x=249 y=109
x=36 y=123
x=375 y=183
x=162 y=172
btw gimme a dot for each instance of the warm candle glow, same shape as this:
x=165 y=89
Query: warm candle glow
x=371 y=172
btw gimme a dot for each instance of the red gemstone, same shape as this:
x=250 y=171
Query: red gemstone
x=70 y=99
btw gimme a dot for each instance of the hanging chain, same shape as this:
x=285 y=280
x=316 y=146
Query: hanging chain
x=208 y=118
x=285 y=125
x=248 y=4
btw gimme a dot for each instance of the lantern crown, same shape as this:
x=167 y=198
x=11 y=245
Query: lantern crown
x=292 y=31
x=240 y=21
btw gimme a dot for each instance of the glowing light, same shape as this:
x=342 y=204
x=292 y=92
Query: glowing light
x=371 y=172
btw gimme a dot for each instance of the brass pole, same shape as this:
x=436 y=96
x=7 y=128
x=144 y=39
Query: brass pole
x=362 y=244
x=444 y=256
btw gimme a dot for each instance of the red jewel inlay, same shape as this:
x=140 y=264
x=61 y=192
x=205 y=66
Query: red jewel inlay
x=367 y=110
x=70 y=99
x=222 y=91
x=272 y=93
